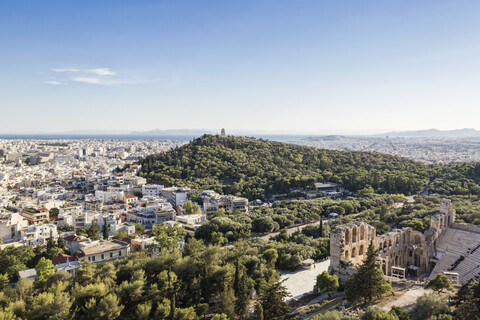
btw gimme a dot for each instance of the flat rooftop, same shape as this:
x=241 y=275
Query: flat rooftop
x=104 y=246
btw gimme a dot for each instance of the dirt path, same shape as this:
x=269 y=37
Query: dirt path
x=406 y=300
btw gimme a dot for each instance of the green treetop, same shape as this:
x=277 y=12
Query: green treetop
x=191 y=208
x=327 y=282
x=440 y=282
x=369 y=281
x=44 y=268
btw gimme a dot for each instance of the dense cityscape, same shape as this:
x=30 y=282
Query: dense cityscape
x=428 y=150
x=82 y=204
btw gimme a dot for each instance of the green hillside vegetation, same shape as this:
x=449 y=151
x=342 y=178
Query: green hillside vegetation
x=283 y=214
x=173 y=285
x=257 y=168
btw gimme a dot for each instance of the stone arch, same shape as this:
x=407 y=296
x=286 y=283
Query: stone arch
x=390 y=242
x=354 y=234
x=403 y=238
x=417 y=239
x=384 y=245
x=384 y=268
x=362 y=232
x=346 y=255
x=347 y=236
x=396 y=260
x=361 y=251
x=354 y=252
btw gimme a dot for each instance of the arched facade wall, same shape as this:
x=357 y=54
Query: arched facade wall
x=405 y=248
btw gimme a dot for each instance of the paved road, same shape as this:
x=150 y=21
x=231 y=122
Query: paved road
x=302 y=281
x=291 y=230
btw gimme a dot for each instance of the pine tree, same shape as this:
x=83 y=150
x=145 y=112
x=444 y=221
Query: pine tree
x=105 y=229
x=258 y=311
x=228 y=301
x=440 y=282
x=204 y=284
x=50 y=241
x=172 y=296
x=44 y=268
x=273 y=301
x=243 y=299
x=467 y=301
x=61 y=242
x=236 y=280
x=369 y=281
x=93 y=230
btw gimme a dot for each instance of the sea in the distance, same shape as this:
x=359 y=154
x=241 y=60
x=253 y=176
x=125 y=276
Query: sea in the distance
x=279 y=137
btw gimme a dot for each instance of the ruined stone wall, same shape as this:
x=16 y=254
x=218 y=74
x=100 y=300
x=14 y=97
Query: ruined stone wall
x=405 y=248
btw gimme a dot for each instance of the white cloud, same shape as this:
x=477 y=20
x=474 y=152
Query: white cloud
x=66 y=70
x=53 y=82
x=89 y=80
x=100 y=76
x=101 y=72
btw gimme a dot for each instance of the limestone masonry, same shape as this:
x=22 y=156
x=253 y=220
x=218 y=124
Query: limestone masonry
x=412 y=252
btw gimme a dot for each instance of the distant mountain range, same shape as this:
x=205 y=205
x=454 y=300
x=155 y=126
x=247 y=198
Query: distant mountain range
x=174 y=132
x=432 y=133
x=429 y=133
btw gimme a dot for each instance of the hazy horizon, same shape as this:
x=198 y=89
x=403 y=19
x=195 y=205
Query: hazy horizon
x=181 y=132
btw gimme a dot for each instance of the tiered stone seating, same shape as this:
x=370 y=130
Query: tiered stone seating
x=451 y=247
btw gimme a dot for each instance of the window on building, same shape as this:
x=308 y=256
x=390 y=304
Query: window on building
x=88 y=258
x=103 y=256
x=93 y=258
x=111 y=254
x=119 y=253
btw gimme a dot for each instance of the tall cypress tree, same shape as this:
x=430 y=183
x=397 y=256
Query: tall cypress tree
x=273 y=301
x=321 y=227
x=172 y=295
x=258 y=315
x=105 y=229
x=50 y=241
x=243 y=299
x=61 y=241
x=205 y=284
x=236 y=280
x=369 y=281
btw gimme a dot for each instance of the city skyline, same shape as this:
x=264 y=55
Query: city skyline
x=322 y=67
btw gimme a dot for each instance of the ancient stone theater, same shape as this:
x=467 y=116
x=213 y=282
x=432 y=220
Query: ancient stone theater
x=448 y=247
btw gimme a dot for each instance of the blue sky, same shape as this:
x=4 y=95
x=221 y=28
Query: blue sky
x=303 y=66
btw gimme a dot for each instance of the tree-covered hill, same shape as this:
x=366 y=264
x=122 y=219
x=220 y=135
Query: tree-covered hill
x=256 y=168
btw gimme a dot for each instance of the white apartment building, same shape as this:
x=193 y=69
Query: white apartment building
x=38 y=234
x=109 y=196
x=150 y=213
x=176 y=196
x=152 y=190
x=126 y=227
x=11 y=225
x=84 y=219
x=211 y=204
